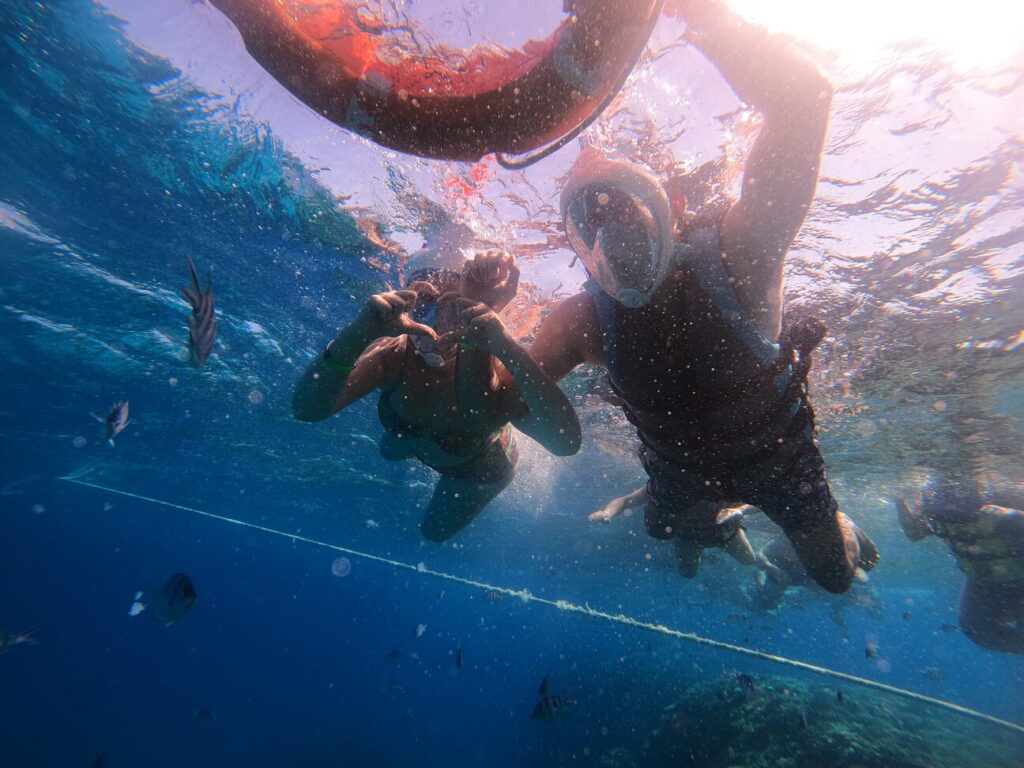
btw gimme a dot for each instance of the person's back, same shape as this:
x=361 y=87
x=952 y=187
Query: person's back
x=987 y=540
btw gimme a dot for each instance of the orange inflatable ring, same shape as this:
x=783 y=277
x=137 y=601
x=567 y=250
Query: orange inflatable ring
x=326 y=53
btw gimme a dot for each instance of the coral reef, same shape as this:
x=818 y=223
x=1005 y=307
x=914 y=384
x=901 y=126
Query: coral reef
x=778 y=722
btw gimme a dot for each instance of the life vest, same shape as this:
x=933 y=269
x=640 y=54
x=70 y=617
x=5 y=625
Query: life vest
x=706 y=380
x=331 y=59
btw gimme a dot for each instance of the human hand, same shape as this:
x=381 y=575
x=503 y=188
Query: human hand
x=386 y=314
x=490 y=277
x=481 y=328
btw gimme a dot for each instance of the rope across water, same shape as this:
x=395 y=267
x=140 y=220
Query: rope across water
x=564 y=605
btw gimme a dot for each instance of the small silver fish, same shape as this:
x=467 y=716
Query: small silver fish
x=116 y=420
x=202 y=326
x=420 y=629
x=9 y=639
x=933 y=673
x=169 y=603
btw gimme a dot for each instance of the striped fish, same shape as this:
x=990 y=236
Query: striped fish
x=202 y=326
x=550 y=706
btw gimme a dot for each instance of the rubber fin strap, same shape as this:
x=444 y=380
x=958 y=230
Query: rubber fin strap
x=564 y=605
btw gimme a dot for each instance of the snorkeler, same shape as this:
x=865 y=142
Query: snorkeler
x=987 y=540
x=434 y=351
x=686 y=315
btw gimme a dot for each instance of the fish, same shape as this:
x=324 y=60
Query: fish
x=933 y=673
x=394 y=654
x=494 y=597
x=206 y=715
x=746 y=683
x=393 y=690
x=802 y=719
x=732 y=618
x=550 y=706
x=167 y=604
x=115 y=421
x=839 y=695
x=420 y=629
x=371 y=524
x=202 y=326
x=871 y=650
x=907 y=616
x=545 y=685
x=458 y=656
x=949 y=628
x=9 y=639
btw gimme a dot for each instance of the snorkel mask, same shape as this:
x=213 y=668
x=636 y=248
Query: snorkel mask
x=619 y=221
x=442 y=268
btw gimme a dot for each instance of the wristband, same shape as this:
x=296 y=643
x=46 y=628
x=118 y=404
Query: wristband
x=334 y=364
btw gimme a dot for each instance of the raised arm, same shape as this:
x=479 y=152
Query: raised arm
x=773 y=76
x=352 y=365
x=545 y=413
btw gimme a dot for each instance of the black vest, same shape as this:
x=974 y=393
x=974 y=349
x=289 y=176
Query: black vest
x=705 y=379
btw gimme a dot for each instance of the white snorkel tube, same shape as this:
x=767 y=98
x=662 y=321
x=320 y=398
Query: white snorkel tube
x=620 y=223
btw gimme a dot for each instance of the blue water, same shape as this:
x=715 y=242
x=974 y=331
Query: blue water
x=115 y=167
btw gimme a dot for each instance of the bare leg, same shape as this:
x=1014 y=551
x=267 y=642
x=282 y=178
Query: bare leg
x=738 y=548
x=456 y=502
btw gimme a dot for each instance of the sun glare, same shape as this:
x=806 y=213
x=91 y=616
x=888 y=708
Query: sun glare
x=985 y=35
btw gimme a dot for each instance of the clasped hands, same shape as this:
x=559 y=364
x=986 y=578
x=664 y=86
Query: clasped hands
x=489 y=282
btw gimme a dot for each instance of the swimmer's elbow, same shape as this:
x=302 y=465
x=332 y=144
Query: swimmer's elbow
x=305 y=411
x=568 y=442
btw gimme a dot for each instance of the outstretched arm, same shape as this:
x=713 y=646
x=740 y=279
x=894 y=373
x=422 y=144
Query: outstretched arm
x=351 y=368
x=769 y=73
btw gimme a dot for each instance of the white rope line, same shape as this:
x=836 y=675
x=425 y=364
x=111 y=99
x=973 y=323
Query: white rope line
x=563 y=605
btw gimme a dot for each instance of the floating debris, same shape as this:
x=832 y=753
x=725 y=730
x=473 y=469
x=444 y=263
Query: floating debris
x=933 y=673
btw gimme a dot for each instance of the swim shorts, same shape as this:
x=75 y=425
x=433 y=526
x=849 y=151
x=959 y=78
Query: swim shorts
x=496 y=463
x=788 y=484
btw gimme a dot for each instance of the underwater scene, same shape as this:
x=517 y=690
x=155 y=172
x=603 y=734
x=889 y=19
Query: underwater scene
x=629 y=383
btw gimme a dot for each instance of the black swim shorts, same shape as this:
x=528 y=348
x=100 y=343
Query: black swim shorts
x=787 y=483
